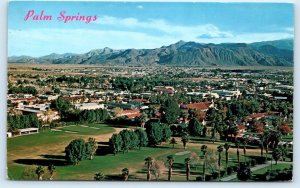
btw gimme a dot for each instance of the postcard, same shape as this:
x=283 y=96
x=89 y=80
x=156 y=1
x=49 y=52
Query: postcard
x=150 y=91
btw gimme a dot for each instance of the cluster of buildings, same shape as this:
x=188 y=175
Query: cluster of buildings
x=223 y=85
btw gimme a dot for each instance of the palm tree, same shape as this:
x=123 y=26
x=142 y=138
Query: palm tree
x=284 y=151
x=237 y=144
x=170 y=160
x=244 y=142
x=142 y=119
x=185 y=139
x=125 y=174
x=266 y=137
x=51 y=169
x=93 y=146
x=188 y=167
x=261 y=142
x=220 y=150
x=204 y=150
x=276 y=154
x=226 y=146
x=149 y=162
x=173 y=142
x=40 y=172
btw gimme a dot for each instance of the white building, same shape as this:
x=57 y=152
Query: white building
x=89 y=106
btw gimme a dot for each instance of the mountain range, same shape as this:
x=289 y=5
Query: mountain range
x=267 y=53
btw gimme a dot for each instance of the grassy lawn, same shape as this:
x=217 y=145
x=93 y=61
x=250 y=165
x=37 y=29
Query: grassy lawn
x=36 y=149
x=48 y=148
x=274 y=167
x=92 y=129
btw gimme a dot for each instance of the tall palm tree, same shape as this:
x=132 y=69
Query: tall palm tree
x=185 y=139
x=237 y=144
x=284 y=151
x=40 y=172
x=226 y=146
x=244 y=142
x=149 y=162
x=170 y=160
x=188 y=167
x=220 y=150
x=204 y=150
x=125 y=174
x=51 y=169
x=276 y=154
x=173 y=142
x=266 y=137
x=261 y=142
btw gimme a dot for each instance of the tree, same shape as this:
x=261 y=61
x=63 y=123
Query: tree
x=158 y=168
x=62 y=105
x=194 y=159
x=285 y=129
x=195 y=127
x=56 y=90
x=283 y=150
x=237 y=144
x=220 y=150
x=244 y=172
x=276 y=154
x=227 y=147
x=154 y=133
x=184 y=139
x=166 y=132
x=244 y=142
x=149 y=162
x=142 y=137
x=125 y=174
x=142 y=119
x=204 y=151
x=117 y=111
x=40 y=171
x=134 y=140
x=115 y=143
x=76 y=151
x=261 y=143
x=91 y=147
x=91 y=116
x=188 y=168
x=99 y=176
x=126 y=144
x=170 y=111
x=170 y=160
x=51 y=169
x=173 y=142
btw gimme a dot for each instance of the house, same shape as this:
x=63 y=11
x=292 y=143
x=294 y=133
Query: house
x=200 y=106
x=130 y=113
x=28 y=131
x=49 y=97
x=241 y=128
x=228 y=95
x=89 y=106
x=164 y=89
x=255 y=116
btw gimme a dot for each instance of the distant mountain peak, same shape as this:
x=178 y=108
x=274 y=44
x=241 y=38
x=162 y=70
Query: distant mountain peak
x=180 y=53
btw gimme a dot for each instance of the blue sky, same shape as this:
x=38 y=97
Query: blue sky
x=143 y=25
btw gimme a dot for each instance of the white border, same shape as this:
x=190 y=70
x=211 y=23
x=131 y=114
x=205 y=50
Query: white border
x=3 y=82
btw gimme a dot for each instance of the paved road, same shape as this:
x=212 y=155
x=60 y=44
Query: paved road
x=257 y=167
